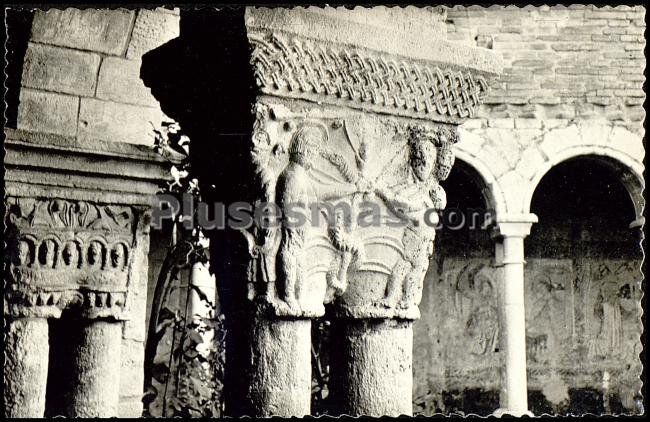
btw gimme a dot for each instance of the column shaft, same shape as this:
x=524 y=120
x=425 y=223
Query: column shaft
x=514 y=325
x=25 y=368
x=372 y=367
x=96 y=362
x=280 y=379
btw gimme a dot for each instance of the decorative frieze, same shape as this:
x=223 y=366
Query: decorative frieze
x=355 y=77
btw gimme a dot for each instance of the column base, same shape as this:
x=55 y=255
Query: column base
x=516 y=413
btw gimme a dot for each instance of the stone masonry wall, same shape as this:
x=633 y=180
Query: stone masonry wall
x=81 y=75
x=561 y=62
x=81 y=79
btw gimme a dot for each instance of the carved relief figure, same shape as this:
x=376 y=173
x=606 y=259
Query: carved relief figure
x=545 y=309
x=71 y=254
x=25 y=254
x=119 y=257
x=607 y=311
x=483 y=322
x=296 y=191
x=429 y=164
x=96 y=255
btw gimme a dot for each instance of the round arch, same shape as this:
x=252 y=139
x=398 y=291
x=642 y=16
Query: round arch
x=614 y=146
x=493 y=197
x=626 y=168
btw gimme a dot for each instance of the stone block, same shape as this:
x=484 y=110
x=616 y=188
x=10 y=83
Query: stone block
x=626 y=141
x=47 y=112
x=110 y=121
x=60 y=69
x=531 y=161
x=152 y=29
x=119 y=80
x=528 y=124
x=556 y=140
x=101 y=30
x=501 y=123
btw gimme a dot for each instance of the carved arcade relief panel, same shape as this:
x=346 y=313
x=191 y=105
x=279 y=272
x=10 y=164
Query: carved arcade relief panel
x=583 y=327
x=68 y=254
x=367 y=190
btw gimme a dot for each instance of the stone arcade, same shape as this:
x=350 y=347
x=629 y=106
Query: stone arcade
x=351 y=107
x=344 y=112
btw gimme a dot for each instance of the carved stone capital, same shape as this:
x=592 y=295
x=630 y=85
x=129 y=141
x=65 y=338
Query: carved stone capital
x=69 y=254
x=357 y=197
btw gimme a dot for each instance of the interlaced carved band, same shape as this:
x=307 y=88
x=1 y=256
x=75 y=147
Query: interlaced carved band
x=345 y=73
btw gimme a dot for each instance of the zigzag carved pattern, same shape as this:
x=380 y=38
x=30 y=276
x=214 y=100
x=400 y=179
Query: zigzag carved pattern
x=306 y=66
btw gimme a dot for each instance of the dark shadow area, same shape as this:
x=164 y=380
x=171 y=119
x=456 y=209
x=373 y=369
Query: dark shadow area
x=203 y=80
x=584 y=209
x=463 y=218
x=19 y=29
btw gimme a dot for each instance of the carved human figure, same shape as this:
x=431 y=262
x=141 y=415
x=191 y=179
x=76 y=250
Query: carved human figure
x=95 y=255
x=71 y=254
x=483 y=322
x=340 y=231
x=607 y=310
x=24 y=253
x=118 y=257
x=412 y=201
x=297 y=193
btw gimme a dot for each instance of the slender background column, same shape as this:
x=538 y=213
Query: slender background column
x=510 y=257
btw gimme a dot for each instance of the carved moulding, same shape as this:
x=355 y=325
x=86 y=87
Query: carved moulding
x=369 y=262
x=68 y=254
x=299 y=67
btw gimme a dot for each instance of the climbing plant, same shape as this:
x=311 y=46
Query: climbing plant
x=183 y=374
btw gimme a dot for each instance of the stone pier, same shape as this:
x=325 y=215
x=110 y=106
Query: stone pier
x=77 y=223
x=345 y=120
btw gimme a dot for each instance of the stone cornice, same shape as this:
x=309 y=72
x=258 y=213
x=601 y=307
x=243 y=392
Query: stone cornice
x=426 y=44
x=38 y=165
x=328 y=58
x=294 y=67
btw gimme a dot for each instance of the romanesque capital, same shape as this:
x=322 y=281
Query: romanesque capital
x=358 y=195
x=355 y=134
x=69 y=254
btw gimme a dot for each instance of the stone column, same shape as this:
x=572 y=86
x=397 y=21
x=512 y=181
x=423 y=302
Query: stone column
x=350 y=108
x=26 y=355
x=509 y=254
x=94 y=391
x=372 y=367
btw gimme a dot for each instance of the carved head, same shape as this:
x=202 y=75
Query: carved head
x=306 y=143
x=118 y=256
x=95 y=254
x=71 y=254
x=422 y=154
